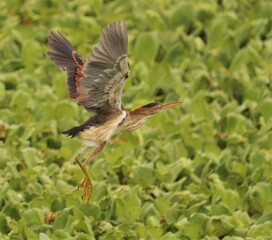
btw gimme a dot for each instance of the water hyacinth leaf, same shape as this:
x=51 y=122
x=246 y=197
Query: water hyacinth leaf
x=240 y=219
x=43 y=236
x=258 y=158
x=3 y=223
x=154 y=232
x=231 y=199
x=169 y=236
x=258 y=26
x=260 y=231
x=147 y=232
x=64 y=109
x=198 y=171
x=22 y=100
x=192 y=230
x=146 y=47
x=160 y=73
x=42 y=202
x=34 y=188
x=217 y=31
x=162 y=204
x=52 y=169
x=169 y=173
x=100 y=192
x=199 y=107
x=236 y=123
x=144 y=176
x=31 y=53
x=172 y=214
x=30 y=234
x=266 y=109
x=260 y=197
x=183 y=15
x=241 y=59
x=128 y=206
x=147 y=211
x=58 y=84
x=71 y=223
x=265 y=141
x=2 y=91
x=155 y=20
x=61 y=219
x=265 y=218
x=222 y=225
x=30 y=157
x=32 y=217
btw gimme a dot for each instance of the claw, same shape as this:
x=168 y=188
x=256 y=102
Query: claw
x=87 y=186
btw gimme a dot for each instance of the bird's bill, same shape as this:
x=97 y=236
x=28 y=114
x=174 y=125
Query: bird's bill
x=169 y=105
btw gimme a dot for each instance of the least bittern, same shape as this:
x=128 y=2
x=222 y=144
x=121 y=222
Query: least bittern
x=97 y=85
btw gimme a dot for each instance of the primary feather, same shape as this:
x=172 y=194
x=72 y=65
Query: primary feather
x=98 y=84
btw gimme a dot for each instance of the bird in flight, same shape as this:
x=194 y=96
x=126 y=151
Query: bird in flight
x=97 y=85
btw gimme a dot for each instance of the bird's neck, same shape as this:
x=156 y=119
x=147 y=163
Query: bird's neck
x=133 y=120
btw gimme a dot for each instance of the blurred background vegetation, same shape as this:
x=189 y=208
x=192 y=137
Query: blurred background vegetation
x=201 y=171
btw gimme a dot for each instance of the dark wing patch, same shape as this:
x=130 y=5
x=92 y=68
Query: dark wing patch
x=105 y=71
x=95 y=121
x=64 y=55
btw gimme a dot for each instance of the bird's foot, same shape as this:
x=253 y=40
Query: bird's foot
x=87 y=186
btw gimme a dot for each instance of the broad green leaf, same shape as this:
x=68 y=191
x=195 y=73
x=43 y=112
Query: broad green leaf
x=32 y=217
x=240 y=219
x=240 y=60
x=127 y=206
x=260 y=231
x=31 y=54
x=169 y=236
x=217 y=31
x=198 y=171
x=22 y=100
x=182 y=15
x=146 y=47
x=30 y=157
x=42 y=202
x=43 y=236
x=52 y=169
x=155 y=20
x=266 y=109
x=4 y=224
x=143 y=175
x=2 y=91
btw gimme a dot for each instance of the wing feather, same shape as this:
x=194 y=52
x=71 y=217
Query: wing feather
x=106 y=71
x=97 y=85
x=64 y=55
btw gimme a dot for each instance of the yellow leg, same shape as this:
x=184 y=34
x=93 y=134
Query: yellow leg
x=97 y=150
x=87 y=183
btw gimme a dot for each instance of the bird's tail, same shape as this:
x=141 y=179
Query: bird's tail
x=64 y=55
x=73 y=131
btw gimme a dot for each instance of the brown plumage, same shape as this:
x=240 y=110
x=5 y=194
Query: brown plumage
x=97 y=85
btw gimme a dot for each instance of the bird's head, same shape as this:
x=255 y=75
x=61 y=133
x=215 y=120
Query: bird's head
x=137 y=117
x=154 y=108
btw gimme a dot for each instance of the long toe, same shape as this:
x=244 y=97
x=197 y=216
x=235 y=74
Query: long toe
x=87 y=191
x=82 y=184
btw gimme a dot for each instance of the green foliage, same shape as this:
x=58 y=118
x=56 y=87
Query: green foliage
x=201 y=171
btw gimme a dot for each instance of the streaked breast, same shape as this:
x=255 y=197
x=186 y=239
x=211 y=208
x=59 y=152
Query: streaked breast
x=95 y=135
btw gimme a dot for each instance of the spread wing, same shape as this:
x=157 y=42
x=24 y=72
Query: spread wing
x=64 y=55
x=105 y=71
x=97 y=85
